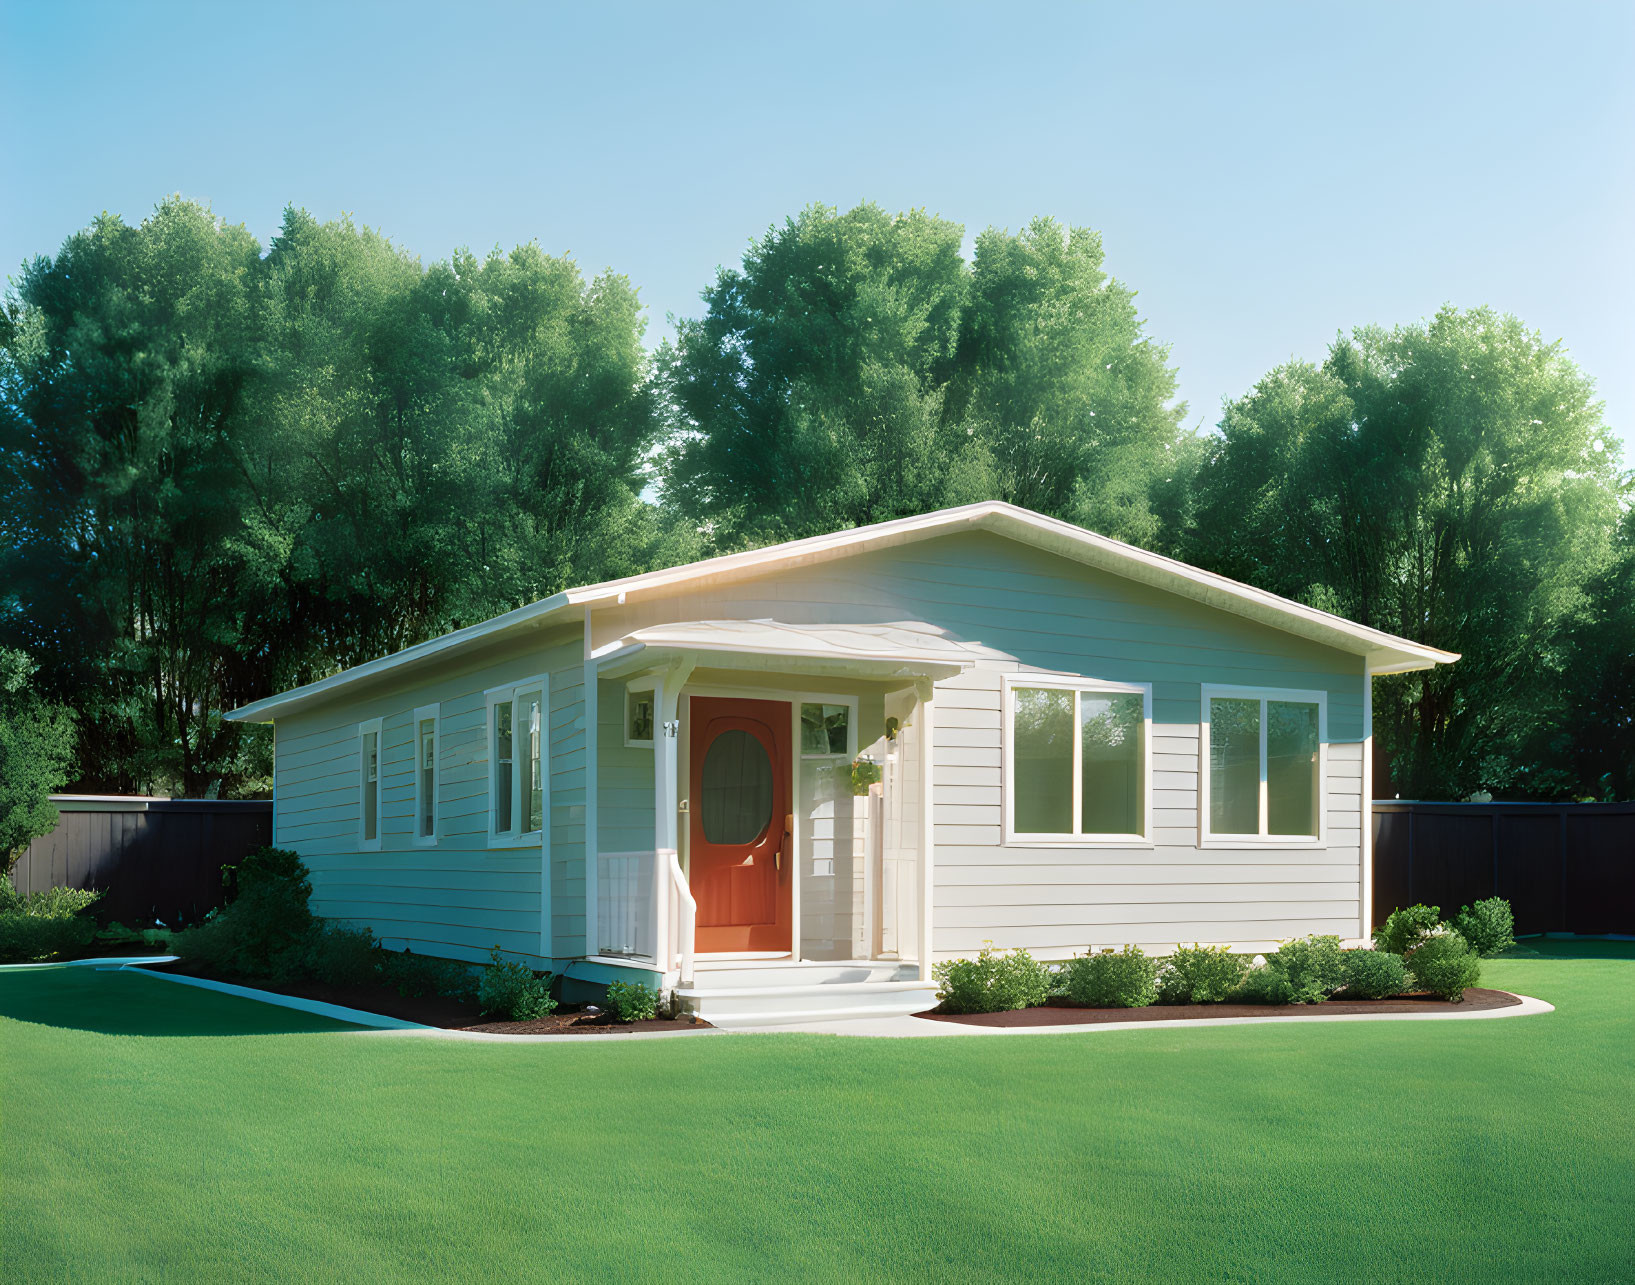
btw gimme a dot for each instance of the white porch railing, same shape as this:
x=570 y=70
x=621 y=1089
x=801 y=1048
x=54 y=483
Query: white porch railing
x=645 y=910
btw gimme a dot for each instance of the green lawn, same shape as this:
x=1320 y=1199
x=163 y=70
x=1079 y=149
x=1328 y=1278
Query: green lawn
x=161 y=1133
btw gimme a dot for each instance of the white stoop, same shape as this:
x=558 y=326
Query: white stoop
x=739 y=993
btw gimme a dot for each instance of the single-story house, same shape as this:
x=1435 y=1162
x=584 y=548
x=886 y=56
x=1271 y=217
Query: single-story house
x=788 y=781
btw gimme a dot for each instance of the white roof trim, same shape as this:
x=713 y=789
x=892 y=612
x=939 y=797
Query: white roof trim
x=1383 y=652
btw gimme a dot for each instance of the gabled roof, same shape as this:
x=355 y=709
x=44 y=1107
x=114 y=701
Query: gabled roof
x=1384 y=653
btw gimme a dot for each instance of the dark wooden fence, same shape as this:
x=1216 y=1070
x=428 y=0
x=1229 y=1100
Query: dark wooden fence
x=1563 y=867
x=155 y=858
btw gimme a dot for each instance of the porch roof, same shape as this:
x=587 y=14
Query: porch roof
x=908 y=648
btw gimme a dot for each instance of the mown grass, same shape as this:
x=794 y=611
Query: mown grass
x=159 y=1133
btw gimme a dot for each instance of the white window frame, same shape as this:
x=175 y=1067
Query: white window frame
x=648 y=688
x=1094 y=686
x=1206 y=837
x=516 y=837
x=433 y=715
x=364 y=728
x=851 y=704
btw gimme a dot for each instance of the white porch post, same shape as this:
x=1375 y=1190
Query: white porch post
x=928 y=831
x=666 y=825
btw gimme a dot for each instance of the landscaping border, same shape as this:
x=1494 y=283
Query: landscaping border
x=356 y=1016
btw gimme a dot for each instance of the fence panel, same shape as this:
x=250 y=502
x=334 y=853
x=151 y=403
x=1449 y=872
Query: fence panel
x=1567 y=867
x=153 y=858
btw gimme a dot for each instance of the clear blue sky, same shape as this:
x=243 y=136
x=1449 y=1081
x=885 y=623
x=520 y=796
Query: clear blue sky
x=1263 y=175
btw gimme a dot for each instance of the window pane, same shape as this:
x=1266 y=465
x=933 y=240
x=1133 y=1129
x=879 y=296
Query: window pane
x=736 y=782
x=502 y=768
x=1291 y=768
x=428 y=778
x=1234 y=766
x=641 y=716
x=1042 y=735
x=824 y=729
x=1110 y=733
x=533 y=794
x=371 y=785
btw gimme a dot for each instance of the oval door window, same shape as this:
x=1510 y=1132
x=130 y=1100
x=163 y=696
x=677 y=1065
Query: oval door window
x=737 y=788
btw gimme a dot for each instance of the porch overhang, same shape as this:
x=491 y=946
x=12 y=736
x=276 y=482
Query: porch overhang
x=907 y=650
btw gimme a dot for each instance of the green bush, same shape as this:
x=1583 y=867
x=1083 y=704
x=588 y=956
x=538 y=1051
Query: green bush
x=512 y=991
x=1373 y=974
x=1200 y=975
x=1489 y=926
x=996 y=981
x=57 y=903
x=45 y=924
x=1445 y=965
x=416 y=975
x=1313 y=967
x=264 y=930
x=1404 y=929
x=1121 y=979
x=26 y=938
x=1265 y=985
x=340 y=955
x=631 y=1001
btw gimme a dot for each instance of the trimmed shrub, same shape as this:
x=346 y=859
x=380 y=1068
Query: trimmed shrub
x=44 y=924
x=1445 y=965
x=264 y=930
x=1121 y=979
x=1404 y=929
x=1373 y=974
x=25 y=939
x=996 y=981
x=631 y=1001
x=340 y=955
x=1264 y=985
x=1489 y=926
x=1200 y=975
x=512 y=991
x=1312 y=966
x=416 y=975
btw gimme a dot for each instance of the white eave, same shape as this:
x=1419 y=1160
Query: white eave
x=910 y=648
x=1383 y=652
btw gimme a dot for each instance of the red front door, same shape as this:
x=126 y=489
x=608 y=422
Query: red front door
x=738 y=805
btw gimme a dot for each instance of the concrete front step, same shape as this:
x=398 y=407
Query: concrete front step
x=746 y=1006
x=732 y=974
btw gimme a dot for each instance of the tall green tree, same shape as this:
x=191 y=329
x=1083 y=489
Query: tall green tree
x=856 y=368
x=1059 y=383
x=123 y=368
x=1600 y=679
x=1452 y=482
x=809 y=396
x=223 y=473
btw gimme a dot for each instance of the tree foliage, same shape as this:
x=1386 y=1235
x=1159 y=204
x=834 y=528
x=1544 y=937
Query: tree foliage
x=36 y=748
x=223 y=473
x=1450 y=482
x=856 y=368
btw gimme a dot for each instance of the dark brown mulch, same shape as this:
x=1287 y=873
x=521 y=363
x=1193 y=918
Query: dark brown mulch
x=1065 y=1015
x=435 y=1010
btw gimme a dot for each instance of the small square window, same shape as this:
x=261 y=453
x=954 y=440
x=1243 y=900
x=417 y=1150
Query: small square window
x=638 y=718
x=825 y=729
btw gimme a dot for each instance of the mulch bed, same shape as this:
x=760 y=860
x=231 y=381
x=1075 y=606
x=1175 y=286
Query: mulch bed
x=1066 y=1015
x=435 y=1010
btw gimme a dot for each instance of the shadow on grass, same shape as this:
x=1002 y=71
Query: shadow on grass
x=111 y=1001
x=1548 y=948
